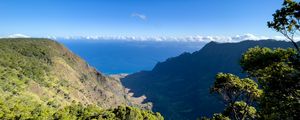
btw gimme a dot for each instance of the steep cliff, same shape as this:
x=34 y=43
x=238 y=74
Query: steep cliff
x=179 y=86
x=48 y=72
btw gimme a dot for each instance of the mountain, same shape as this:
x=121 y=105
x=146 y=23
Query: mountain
x=179 y=86
x=42 y=72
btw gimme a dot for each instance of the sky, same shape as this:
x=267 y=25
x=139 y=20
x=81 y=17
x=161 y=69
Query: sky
x=177 y=18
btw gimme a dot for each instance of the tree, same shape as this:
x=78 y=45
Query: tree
x=277 y=73
x=275 y=95
x=239 y=95
x=287 y=21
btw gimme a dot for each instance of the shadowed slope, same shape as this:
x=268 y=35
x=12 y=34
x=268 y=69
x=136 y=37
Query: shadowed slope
x=179 y=86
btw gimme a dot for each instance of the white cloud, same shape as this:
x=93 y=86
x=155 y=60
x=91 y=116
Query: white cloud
x=51 y=37
x=195 y=38
x=140 y=16
x=16 y=36
x=249 y=37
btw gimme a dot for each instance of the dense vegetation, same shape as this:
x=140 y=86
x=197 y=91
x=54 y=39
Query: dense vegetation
x=40 y=79
x=22 y=107
x=274 y=96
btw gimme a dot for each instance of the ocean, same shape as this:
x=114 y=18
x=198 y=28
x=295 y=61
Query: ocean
x=115 y=57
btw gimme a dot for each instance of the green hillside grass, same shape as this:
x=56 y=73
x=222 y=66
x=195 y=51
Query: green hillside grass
x=41 y=79
x=179 y=86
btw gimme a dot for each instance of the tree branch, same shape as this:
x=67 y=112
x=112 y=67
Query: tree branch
x=292 y=40
x=245 y=112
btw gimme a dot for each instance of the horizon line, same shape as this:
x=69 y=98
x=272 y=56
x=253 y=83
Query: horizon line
x=194 y=38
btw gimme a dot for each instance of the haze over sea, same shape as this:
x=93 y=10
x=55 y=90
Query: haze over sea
x=115 y=57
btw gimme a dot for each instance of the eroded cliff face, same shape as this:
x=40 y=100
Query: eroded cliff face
x=48 y=72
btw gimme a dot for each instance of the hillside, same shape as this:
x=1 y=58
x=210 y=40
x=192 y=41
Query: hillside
x=179 y=86
x=41 y=72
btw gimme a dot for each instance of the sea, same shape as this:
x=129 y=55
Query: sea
x=126 y=57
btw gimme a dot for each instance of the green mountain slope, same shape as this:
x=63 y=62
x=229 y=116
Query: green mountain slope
x=179 y=86
x=41 y=73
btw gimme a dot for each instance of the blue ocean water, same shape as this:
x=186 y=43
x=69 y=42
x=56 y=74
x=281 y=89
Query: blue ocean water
x=114 y=57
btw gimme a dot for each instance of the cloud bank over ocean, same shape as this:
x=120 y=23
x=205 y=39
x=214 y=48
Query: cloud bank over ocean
x=16 y=36
x=195 y=38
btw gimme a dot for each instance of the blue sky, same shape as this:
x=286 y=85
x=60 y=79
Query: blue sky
x=137 y=17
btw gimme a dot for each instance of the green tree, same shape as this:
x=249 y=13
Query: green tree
x=287 y=20
x=277 y=73
x=239 y=95
x=285 y=92
x=275 y=95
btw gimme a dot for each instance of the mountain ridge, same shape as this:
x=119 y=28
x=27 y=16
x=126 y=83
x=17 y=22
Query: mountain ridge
x=179 y=86
x=49 y=72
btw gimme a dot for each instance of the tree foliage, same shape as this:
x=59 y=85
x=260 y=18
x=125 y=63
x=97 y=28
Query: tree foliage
x=287 y=20
x=25 y=108
x=238 y=94
x=279 y=78
x=273 y=92
x=277 y=72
